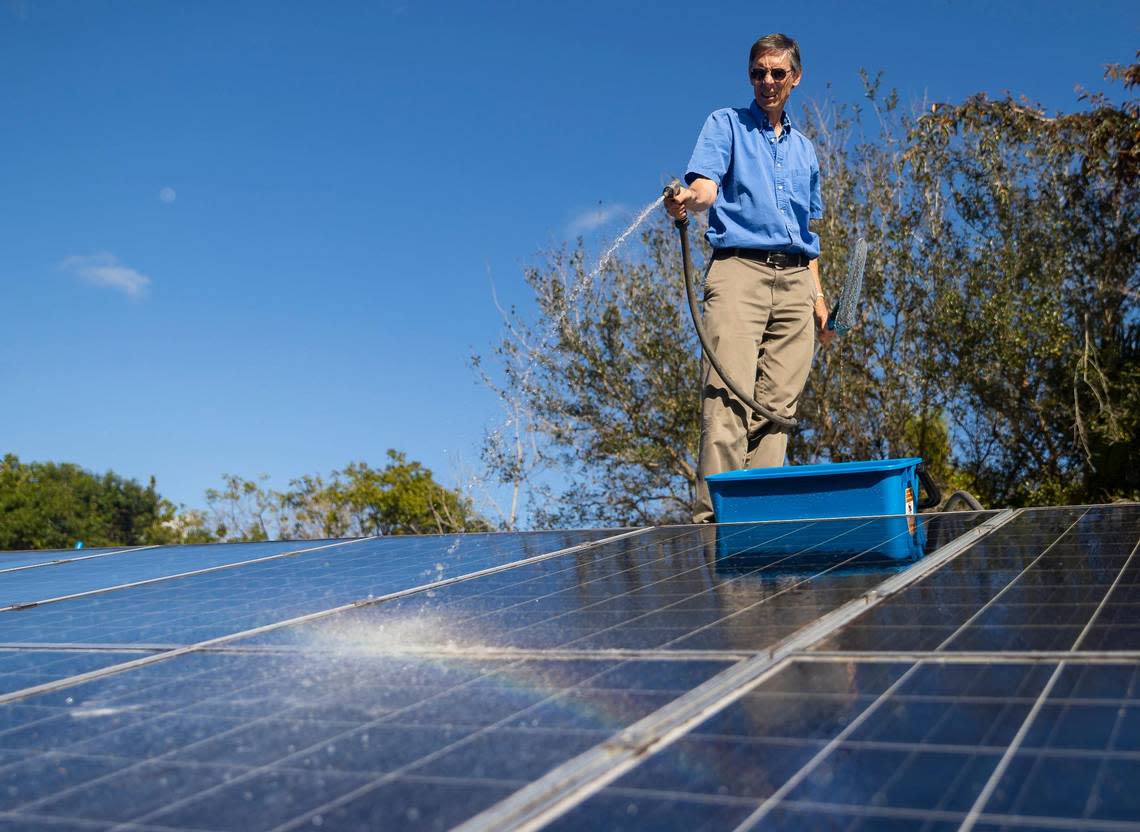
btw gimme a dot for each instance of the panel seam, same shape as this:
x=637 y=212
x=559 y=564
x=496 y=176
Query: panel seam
x=63 y=561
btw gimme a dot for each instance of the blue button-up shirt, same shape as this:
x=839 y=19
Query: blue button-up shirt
x=767 y=187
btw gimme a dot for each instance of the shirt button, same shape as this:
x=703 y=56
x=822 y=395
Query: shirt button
x=781 y=187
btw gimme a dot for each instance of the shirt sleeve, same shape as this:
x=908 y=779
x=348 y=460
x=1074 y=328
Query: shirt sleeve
x=816 y=207
x=713 y=150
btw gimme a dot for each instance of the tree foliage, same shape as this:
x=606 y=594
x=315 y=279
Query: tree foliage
x=1035 y=253
x=357 y=501
x=998 y=339
x=50 y=505
x=55 y=505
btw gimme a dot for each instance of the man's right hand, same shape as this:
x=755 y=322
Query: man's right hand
x=675 y=205
x=699 y=196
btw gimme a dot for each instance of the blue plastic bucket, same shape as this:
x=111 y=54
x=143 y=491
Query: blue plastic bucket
x=839 y=489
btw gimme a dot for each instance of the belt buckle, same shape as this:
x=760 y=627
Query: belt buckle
x=776 y=259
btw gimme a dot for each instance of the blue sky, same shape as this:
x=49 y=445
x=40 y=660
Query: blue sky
x=258 y=237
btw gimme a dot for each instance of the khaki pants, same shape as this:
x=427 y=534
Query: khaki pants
x=759 y=321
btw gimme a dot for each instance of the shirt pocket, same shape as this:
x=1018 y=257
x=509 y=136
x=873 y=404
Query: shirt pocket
x=799 y=189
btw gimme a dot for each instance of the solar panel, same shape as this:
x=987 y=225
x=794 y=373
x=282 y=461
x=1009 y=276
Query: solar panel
x=14 y=561
x=77 y=576
x=1033 y=585
x=216 y=728
x=968 y=700
x=784 y=675
x=918 y=756
x=188 y=609
x=669 y=589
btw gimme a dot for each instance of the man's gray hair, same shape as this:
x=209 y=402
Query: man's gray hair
x=776 y=42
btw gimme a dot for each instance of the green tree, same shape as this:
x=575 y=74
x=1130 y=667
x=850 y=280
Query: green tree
x=400 y=498
x=50 y=505
x=53 y=505
x=358 y=501
x=1033 y=246
x=243 y=510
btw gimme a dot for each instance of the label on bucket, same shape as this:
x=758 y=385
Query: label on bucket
x=911 y=524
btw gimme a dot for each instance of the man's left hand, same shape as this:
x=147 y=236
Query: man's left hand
x=820 y=313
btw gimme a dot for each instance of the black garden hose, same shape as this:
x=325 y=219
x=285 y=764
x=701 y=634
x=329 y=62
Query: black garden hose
x=933 y=493
x=964 y=497
x=683 y=231
x=846 y=320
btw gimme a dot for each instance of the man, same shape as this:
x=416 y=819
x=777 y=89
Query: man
x=763 y=299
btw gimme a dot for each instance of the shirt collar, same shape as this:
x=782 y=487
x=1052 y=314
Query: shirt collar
x=762 y=117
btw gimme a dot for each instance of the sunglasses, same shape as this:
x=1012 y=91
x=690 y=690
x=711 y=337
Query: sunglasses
x=777 y=74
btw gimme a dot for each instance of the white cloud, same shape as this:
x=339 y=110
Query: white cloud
x=595 y=218
x=168 y=195
x=105 y=270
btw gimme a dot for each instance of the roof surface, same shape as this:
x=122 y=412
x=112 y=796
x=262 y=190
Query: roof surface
x=955 y=671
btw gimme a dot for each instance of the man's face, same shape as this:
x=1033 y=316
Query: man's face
x=771 y=94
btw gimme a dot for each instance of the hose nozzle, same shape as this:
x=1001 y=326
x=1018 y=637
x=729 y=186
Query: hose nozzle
x=669 y=192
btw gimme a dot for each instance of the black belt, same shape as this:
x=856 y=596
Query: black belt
x=775 y=259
